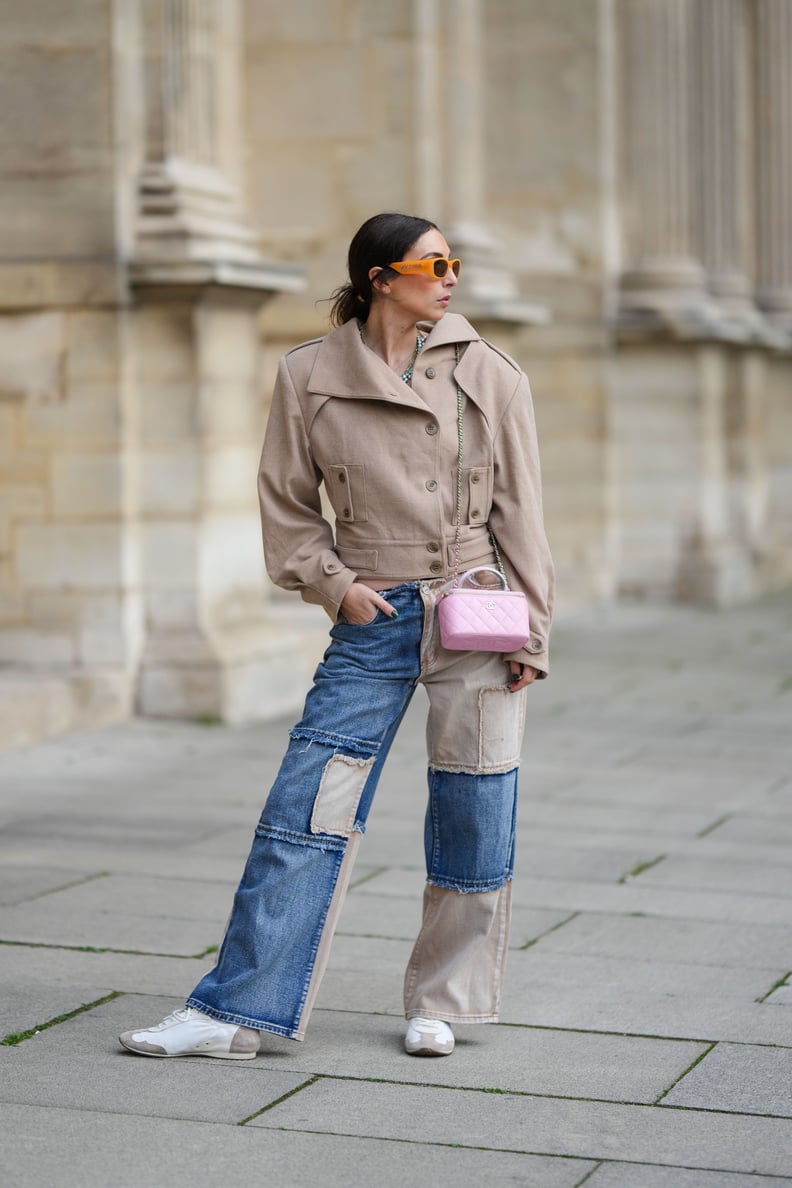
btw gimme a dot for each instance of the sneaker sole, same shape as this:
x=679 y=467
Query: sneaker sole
x=177 y=1055
x=427 y=1052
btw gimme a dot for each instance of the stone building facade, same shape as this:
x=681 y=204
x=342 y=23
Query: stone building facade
x=180 y=179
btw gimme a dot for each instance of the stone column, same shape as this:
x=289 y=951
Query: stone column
x=723 y=212
x=187 y=203
x=774 y=158
x=211 y=648
x=663 y=279
x=450 y=168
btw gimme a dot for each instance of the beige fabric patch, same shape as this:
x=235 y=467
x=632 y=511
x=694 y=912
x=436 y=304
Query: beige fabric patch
x=340 y=790
x=501 y=717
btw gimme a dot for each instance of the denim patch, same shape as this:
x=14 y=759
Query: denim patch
x=340 y=790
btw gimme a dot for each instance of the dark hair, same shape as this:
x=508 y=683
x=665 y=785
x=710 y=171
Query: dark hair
x=381 y=240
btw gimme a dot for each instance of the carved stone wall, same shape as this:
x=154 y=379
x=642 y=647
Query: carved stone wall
x=179 y=180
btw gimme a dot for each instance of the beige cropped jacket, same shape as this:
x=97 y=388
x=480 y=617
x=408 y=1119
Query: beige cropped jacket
x=387 y=456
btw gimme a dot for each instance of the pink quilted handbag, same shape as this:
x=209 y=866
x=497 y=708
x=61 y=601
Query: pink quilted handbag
x=483 y=618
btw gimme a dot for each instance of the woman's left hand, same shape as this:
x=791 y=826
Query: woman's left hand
x=521 y=675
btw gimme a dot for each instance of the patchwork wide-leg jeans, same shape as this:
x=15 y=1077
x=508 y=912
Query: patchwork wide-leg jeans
x=287 y=905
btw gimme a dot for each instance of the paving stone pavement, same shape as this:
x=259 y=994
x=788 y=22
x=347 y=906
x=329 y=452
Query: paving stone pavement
x=646 y=1033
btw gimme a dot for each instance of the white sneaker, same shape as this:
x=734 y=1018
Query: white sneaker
x=188 y=1032
x=428 y=1037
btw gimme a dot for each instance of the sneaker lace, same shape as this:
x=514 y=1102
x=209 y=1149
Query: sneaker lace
x=433 y=1026
x=179 y=1016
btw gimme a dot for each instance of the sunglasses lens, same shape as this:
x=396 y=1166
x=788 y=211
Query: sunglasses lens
x=440 y=267
x=456 y=265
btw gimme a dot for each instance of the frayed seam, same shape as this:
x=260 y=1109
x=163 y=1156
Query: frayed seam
x=310 y=841
x=466 y=888
x=475 y=770
x=358 y=746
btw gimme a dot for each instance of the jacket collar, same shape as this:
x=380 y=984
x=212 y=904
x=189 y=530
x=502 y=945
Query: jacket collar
x=344 y=366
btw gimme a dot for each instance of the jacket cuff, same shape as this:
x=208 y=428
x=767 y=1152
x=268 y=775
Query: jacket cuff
x=534 y=654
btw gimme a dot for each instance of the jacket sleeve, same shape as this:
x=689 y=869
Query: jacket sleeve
x=298 y=541
x=517 y=521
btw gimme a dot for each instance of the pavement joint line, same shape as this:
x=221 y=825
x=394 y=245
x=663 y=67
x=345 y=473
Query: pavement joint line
x=91 y=878
x=17 y=1037
x=665 y=1039
x=108 y=949
x=639 y=868
x=612 y=1160
x=589 y=1173
x=620 y=1101
x=554 y=928
x=782 y=981
x=523 y=1151
x=684 y=1073
x=372 y=874
x=716 y=824
x=283 y=1097
x=434 y=1143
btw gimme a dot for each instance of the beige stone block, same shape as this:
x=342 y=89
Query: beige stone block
x=58 y=215
x=249 y=674
x=37 y=705
x=171 y=484
x=94 y=347
x=168 y=610
x=33 y=284
x=230 y=559
x=169 y=414
x=111 y=630
x=57 y=105
x=9 y=427
x=227 y=343
x=230 y=479
x=88 y=486
x=54 y=610
x=278 y=81
x=304 y=196
x=170 y=553
x=32 y=356
x=230 y=411
x=164 y=336
x=268 y=22
x=89 y=417
x=53 y=24
x=86 y=556
x=36 y=648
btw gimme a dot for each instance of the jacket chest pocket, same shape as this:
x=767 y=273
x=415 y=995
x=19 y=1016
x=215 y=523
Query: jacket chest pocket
x=476 y=493
x=346 y=486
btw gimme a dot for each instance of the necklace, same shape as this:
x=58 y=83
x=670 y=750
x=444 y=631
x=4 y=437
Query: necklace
x=405 y=375
x=419 y=342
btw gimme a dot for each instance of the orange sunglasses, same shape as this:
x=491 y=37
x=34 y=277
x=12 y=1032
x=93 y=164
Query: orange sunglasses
x=436 y=267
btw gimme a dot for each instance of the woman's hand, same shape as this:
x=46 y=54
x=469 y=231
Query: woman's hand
x=521 y=675
x=360 y=604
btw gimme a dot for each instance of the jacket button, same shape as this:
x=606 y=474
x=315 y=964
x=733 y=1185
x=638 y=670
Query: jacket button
x=342 y=478
x=431 y=484
x=431 y=428
x=430 y=373
x=436 y=567
x=474 y=478
x=433 y=546
x=535 y=645
x=474 y=515
x=346 y=513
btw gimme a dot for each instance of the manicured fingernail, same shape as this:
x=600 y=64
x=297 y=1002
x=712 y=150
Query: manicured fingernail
x=394 y=614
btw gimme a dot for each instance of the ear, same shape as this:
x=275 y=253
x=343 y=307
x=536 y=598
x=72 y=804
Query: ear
x=376 y=282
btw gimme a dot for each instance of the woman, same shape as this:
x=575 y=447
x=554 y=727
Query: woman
x=371 y=411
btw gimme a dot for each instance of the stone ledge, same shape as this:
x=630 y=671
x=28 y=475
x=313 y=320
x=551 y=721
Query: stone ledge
x=35 y=706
